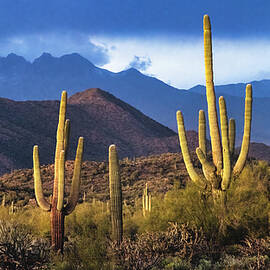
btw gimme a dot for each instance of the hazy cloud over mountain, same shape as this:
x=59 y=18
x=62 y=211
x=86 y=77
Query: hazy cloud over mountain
x=140 y=63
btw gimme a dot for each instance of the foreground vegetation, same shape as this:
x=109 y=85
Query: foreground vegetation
x=218 y=220
x=180 y=232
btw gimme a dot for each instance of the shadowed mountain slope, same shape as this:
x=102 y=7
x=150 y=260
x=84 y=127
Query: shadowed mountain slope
x=95 y=114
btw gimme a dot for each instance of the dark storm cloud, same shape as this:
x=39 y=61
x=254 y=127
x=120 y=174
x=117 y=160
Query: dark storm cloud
x=133 y=17
x=140 y=63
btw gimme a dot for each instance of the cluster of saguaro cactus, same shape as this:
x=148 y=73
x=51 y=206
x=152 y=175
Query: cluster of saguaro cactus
x=115 y=195
x=219 y=173
x=56 y=205
x=146 y=201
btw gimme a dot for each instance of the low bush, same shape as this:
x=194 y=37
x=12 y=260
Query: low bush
x=149 y=249
x=19 y=249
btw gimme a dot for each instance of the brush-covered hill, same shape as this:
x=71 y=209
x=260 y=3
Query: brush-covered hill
x=161 y=172
x=98 y=116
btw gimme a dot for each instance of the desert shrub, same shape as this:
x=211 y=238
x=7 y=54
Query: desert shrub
x=87 y=231
x=257 y=250
x=241 y=263
x=248 y=202
x=175 y=263
x=149 y=249
x=180 y=205
x=36 y=220
x=19 y=249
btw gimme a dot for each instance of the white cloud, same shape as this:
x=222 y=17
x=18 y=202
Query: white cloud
x=179 y=61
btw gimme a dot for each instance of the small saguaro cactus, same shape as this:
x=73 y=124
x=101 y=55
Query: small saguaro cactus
x=115 y=195
x=219 y=173
x=146 y=201
x=3 y=203
x=11 y=208
x=56 y=203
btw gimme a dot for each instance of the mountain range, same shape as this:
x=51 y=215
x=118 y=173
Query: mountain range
x=47 y=76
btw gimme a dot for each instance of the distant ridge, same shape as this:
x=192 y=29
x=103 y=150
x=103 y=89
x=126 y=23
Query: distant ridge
x=261 y=89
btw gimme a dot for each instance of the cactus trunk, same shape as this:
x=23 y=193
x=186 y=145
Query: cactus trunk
x=115 y=196
x=57 y=229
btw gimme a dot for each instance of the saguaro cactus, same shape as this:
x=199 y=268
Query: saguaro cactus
x=3 y=200
x=115 y=195
x=146 y=201
x=56 y=204
x=219 y=173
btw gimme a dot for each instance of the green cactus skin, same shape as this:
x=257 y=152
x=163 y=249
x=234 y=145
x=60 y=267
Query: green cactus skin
x=226 y=172
x=202 y=132
x=195 y=177
x=219 y=173
x=56 y=204
x=240 y=163
x=232 y=133
x=210 y=93
x=146 y=201
x=115 y=195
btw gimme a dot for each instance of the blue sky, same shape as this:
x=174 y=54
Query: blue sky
x=162 y=38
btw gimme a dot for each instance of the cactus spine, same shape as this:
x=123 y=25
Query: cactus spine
x=146 y=201
x=219 y=173
x=115 y=195
x=56 y=205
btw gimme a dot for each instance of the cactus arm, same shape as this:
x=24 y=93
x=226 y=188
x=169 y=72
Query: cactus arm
x=115 y=195
x=185 y=152
x=76 y=179
x=226 y=173
x=202 y=132
x=59 y=140
x=232 y=136
x=239 y=165
x=38 y=185
x=61 y=181
x=66 y=136
x=210 y=94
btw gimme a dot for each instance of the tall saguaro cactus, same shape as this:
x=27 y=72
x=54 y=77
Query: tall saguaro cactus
x=219 y=172
x=115 y=195
x=146 y=201
x=56 y=205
